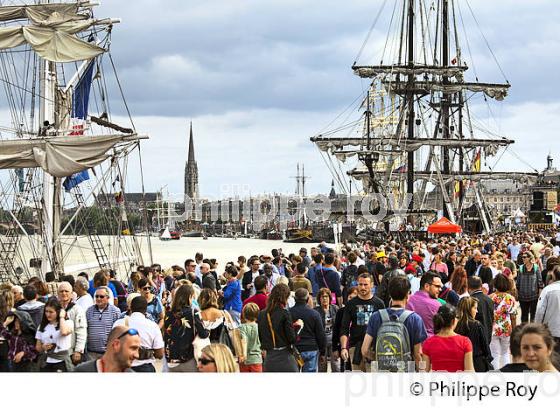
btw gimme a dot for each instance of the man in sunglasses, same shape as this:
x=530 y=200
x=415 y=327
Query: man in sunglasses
x=100 y=319
x=123 y=344
x=425 y=302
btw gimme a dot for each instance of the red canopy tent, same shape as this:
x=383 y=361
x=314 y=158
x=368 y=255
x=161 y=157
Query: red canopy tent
x=444 y=225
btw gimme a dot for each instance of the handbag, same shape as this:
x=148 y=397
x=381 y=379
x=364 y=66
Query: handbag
x=198 y=342
x=294 y=351
x=231 y=336
x=333 y=294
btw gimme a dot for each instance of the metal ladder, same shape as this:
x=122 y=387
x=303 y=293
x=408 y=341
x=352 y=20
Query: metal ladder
x=9 y=242
x=94 y=240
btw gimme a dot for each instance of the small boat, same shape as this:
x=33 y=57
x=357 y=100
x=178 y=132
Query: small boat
x=295 y=235
x=175 y=235
x=166 y=235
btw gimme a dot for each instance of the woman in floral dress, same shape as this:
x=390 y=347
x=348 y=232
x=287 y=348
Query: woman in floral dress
x=505 y=311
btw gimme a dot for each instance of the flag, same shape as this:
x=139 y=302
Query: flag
x=80 y=104
x=119 y=198
x=476 y=162
x=457 y=190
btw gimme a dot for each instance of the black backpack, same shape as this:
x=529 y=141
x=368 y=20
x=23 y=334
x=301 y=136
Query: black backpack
x=350 y=276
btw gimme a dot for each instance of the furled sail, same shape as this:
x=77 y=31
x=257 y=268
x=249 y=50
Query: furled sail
x=41 y=12
x=59 y=156
x=382 y=70
x=51 y=33
x=336 y=144
x=496 y=91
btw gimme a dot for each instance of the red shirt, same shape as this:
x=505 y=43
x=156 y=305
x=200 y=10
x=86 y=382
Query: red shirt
x=447 y=353
x=259 y=298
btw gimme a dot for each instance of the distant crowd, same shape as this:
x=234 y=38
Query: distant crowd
x=466 y=303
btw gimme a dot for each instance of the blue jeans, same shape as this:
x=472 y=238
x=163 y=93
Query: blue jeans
x=311 y=361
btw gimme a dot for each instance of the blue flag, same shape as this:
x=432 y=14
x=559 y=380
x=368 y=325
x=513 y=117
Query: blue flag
x=80 y=103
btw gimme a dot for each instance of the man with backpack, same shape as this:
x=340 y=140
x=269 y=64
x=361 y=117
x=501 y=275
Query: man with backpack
x=328 y=277
x=396 y=334
x=529 y=285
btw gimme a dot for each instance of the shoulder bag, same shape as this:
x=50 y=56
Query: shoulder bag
x=231 y=336
x=333 y=294
x=295 y=352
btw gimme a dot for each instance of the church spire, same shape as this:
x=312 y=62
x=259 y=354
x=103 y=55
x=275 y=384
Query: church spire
x=191 y=147
x=332 y=194
x=191 y=170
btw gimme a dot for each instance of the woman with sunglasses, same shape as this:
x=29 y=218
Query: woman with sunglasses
x=54 y=338
x=182 y=327
x=217 y=358
x=155 y=311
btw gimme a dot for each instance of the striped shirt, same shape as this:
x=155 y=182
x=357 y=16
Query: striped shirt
x=99 y=325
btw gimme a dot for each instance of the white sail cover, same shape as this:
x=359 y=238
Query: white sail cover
x=40 y=12
x=51 y=32
x=58 y=156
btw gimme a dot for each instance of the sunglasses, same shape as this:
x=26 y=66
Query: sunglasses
x=131 y=332
x=146 y=288
x=204 y=361
x=100 y=296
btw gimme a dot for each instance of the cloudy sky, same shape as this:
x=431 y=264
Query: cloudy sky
x=259 y=77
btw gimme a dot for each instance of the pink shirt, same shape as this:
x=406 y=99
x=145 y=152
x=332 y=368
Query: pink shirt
x=426 y=307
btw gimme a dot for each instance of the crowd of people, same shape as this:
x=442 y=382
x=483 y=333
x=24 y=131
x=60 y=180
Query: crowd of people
x=477 y=303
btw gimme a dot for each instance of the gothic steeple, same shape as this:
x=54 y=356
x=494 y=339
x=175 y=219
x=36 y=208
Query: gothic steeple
x=191 y=170
x=332 y=194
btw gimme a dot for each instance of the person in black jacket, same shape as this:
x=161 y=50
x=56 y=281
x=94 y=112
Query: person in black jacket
x=470 y=327
x=247 y=286
x=473 y=263
x=485 y=272
x=181 y=326
x=485 y=314
x=276 y=332
x=311 y=340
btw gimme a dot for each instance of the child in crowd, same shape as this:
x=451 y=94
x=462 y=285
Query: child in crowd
x=251 y=362
x=19 y=330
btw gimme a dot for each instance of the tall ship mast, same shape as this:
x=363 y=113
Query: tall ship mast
x=418 y=135
x=63 y=157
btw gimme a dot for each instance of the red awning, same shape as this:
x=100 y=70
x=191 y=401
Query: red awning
x=444 y=225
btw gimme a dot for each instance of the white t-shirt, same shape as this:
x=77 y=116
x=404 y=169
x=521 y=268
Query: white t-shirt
x=85 y=301
x=52 y=335
x=149 y=332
